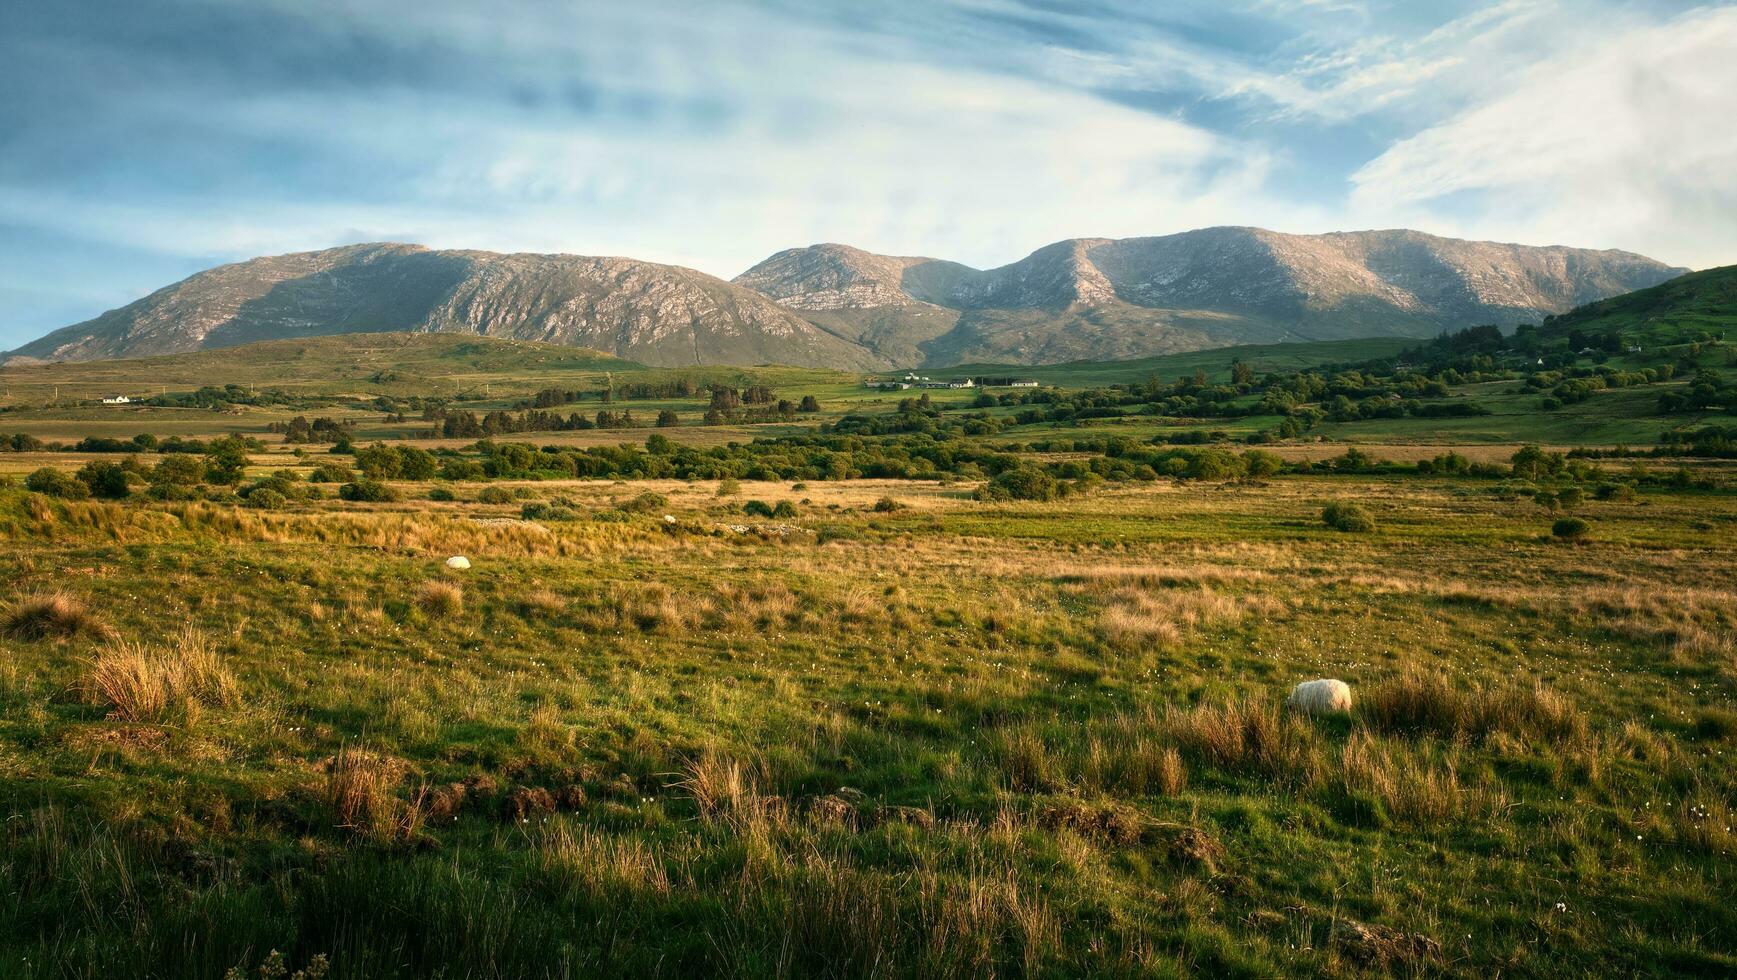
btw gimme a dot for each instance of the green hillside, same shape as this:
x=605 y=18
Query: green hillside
x=1264 y=358
x=372 y=363
x=1678 y=311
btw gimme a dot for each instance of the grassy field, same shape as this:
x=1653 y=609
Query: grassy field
x=950 y=739
x=839 y=725
x=1263 y=358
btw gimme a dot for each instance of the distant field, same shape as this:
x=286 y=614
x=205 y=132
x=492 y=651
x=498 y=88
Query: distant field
x=1216 y=363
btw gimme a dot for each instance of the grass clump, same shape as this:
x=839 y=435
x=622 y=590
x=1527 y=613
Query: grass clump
x=140 y=683
x=1425 y=702
x=52 y=615
x=440 y=600
x=1345 y=516
x=362 y=794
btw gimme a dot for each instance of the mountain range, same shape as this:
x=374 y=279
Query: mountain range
x=841 y=307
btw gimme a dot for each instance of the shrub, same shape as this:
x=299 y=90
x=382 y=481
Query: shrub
x=367 y=491
x=265 y=498
x=55 y=483
x=757 y=508
x=494 y=495
x=51 y=614
x=462 y=469
x=440 y=600
x=537 y=510
x=177 y=470
x=441 y=494
x=414 y=463
x=784 y=509
x=1613 y=491
x=729 y=487
x=1343 y=516
x=645 y=503
x=887 y=505
x=107 y=480
x=1569 y=498
x=1570 y=529
x=331 y=473
x=1024 y=483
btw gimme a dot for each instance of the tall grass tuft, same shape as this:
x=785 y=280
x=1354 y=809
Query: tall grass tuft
x=440 y=600
x=1423 y=702
x=139 y=683
x=362 y=792
x=52 y=615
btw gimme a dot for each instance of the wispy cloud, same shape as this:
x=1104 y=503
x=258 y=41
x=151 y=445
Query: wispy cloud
x=1626 y=141
x=167 y=133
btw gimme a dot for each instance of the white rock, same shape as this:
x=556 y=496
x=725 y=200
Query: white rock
x=1320 y=697
x=458 y=561
x=669 y=519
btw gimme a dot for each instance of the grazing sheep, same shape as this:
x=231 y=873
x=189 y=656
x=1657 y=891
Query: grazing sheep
x=1320 y=697
x=458 y=561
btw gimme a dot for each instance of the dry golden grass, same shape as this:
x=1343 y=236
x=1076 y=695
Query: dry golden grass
x=144 y=684
x=440 y=600
x=362 y=793
x=1422 y=701
x=52 y=615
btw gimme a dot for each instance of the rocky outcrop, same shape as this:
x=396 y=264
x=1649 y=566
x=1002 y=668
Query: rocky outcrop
x=655 y=314
x=1101 y=298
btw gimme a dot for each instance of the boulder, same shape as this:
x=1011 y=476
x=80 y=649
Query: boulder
x=458 y=561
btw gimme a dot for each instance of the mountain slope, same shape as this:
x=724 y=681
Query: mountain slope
x=1676 y=311
x=656 y=314
x=1104 y=298
x=841 y=307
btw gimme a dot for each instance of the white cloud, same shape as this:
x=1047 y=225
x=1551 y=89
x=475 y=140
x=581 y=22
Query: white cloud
x=1626 y=142
x=815 y=140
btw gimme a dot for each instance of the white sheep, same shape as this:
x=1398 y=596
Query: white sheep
x=458 y=561
x=1320 y=697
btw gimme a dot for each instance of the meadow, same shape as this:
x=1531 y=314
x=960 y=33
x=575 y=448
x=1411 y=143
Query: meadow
x=847 y=725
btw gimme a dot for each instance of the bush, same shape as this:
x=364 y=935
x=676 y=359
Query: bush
x=1569 y=498
x=367 y=491
x=537 y=510
x=1613 y=491
x=462 y=469
x=494 y=495
x=784 y=509
x=1343 y=516
x=645 y=503
x=729 y=487
x=55 y=483
x=331 y=473
x=178 y=470
x=107 y=480
x=757 y=508
x=265 y=498
x=1024 y=483
x=441 y=495
x=887 y=505
x=1570 y=529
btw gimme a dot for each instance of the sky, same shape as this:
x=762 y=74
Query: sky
x=144 y=140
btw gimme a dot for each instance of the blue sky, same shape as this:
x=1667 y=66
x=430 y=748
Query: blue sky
x=141 y=141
